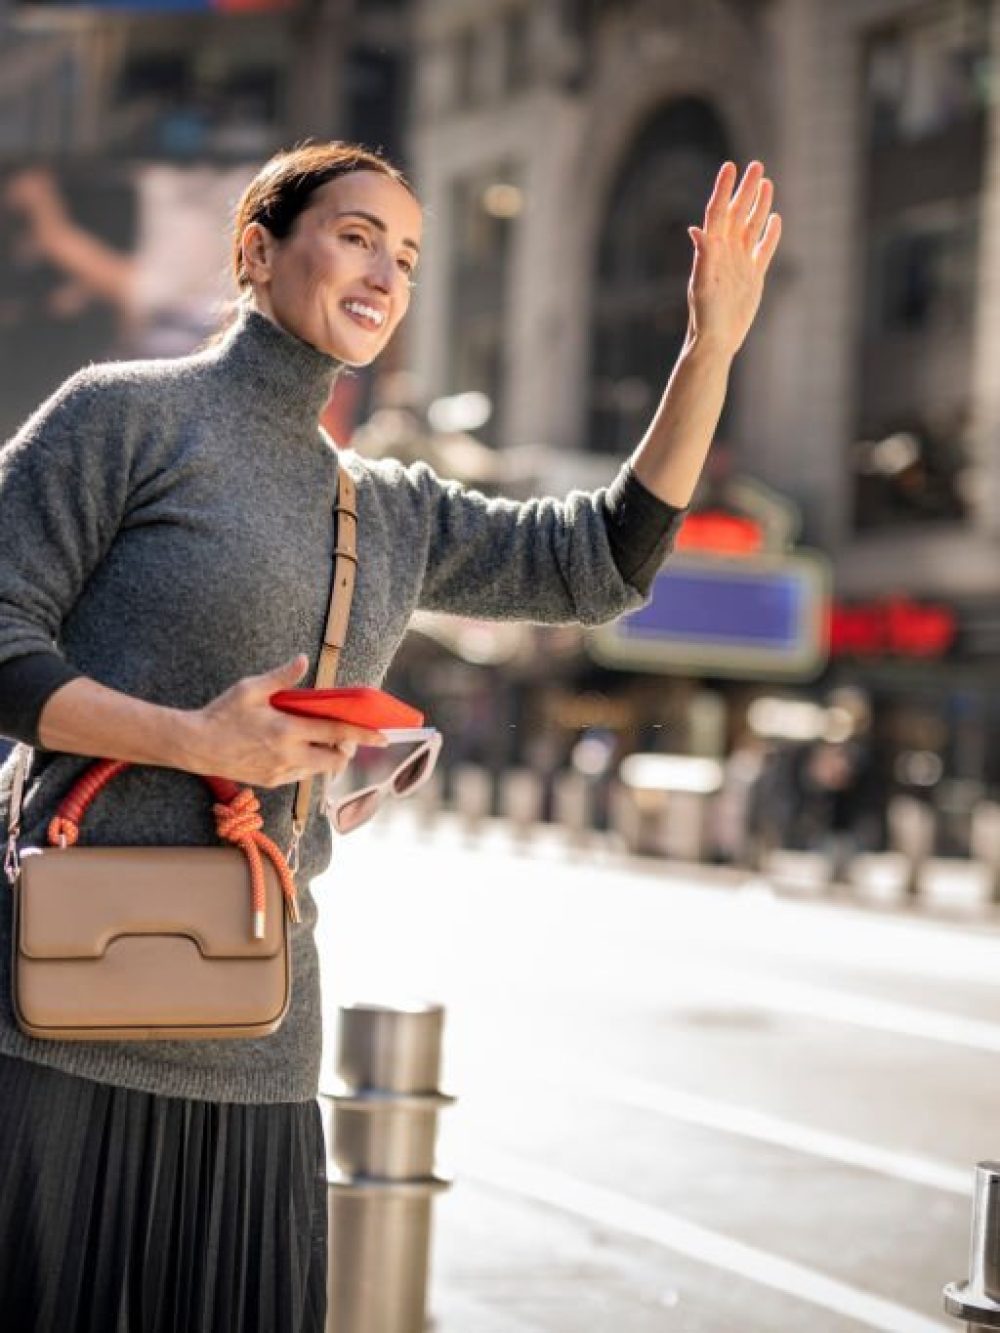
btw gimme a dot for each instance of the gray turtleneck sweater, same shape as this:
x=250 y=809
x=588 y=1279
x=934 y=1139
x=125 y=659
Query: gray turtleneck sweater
x=167 y=530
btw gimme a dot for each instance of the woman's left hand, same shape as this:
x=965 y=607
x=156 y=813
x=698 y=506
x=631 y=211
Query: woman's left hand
x=733 y=251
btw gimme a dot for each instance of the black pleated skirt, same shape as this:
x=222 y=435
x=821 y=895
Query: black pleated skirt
x=123 y=1212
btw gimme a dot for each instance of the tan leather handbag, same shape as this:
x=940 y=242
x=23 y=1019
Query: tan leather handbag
x=148 y=943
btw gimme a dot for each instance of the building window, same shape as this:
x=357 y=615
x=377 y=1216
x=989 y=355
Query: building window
x=928 y=74
x=376 y=83
x=926 y=101
x=643 y=264
x=466 y=69
x=485 y=211
x=169 y=103
x=516 y=51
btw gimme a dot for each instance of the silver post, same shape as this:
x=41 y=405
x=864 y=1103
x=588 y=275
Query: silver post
x=978 y=1300
x=381 y=1125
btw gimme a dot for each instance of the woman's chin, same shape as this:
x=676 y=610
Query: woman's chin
x=352 y=357
x=354 y=352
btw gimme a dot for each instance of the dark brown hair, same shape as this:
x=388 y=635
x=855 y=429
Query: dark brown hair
x=282 y=188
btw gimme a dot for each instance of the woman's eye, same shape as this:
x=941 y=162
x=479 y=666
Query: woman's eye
x=406 y=267
x=356 y=236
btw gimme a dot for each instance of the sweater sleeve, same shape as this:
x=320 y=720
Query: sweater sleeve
x=642 y=528
x=25 y=686
x=63 y=489
x=543 y=560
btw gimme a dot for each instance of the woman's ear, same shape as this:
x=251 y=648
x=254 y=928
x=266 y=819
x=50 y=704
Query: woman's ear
x=256 y=244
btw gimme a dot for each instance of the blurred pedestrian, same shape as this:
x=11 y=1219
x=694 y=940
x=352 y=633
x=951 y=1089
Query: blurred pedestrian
x=165 y=288
x=841 y=791
x=168 y=538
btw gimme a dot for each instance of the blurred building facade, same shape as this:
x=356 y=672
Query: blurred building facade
x=196 y=79
x=562 y=147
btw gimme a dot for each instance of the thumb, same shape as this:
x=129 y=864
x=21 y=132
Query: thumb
x=697 y=235
x=290 y=671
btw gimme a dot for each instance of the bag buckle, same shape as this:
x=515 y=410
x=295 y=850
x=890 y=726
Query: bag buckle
x=292 y=855
x=11 y=861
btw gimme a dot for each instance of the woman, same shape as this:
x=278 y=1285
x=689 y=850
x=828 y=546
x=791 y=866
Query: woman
x=167 y=538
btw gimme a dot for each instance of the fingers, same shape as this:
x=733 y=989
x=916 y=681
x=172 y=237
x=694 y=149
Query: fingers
x=747 y=208
x=743 y=199
x=718 y=204
x=758 y=214
x=764 y=249
x=340 y=733
x=362 y=735
x=330 y=765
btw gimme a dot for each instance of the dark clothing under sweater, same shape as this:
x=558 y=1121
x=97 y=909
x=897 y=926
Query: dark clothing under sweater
x=167 y=530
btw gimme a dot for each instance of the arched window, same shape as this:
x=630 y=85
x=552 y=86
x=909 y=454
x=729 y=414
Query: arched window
x=643 y=263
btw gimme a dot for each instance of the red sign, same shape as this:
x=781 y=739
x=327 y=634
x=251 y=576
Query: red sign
x=714 y=532
x=896 y=627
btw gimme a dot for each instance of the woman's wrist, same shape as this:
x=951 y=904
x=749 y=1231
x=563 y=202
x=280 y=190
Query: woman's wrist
x=187 y=742
x=709 y=346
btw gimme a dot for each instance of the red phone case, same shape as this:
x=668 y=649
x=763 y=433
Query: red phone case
x=361 y=704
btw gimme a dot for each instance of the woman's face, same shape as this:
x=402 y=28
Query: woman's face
x=341 y=279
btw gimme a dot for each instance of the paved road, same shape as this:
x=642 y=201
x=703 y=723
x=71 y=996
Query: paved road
x=684 y=1104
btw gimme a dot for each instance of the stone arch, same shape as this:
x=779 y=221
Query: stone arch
x=638 y=73
x=641 y=264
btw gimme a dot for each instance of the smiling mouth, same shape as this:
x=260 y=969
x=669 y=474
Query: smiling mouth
x=367 y=316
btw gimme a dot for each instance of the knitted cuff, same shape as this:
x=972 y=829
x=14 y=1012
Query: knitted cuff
x=641 y=528
x=25 y=684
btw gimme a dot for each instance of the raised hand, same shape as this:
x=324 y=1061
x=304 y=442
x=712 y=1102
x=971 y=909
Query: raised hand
x=733 y=251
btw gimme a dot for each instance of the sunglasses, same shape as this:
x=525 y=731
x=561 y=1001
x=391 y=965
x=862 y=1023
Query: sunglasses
x=349 y=812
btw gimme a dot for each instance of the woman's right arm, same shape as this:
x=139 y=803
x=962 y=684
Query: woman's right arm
x=238 y=735
x=64 y=482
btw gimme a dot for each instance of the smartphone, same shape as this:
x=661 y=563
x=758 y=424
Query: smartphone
x=362 y=705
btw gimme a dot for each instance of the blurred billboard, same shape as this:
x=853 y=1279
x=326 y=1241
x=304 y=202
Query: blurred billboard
x=107 y=259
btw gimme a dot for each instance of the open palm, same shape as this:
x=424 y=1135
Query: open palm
x=733 y=251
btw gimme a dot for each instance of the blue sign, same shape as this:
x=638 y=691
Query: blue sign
x=752 y=616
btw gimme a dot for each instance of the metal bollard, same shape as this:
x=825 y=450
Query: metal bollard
x=381 y=1123
x=521 y=800
x=624 y=819
x=984 y=839
x=978 y=1300
x=572 y=805
x=912 y=827
x=473 y=795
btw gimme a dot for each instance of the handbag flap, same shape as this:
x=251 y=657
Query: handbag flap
x=74 y=901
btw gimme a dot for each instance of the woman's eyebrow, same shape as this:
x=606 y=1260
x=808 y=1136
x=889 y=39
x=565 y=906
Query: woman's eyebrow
x=376 y=222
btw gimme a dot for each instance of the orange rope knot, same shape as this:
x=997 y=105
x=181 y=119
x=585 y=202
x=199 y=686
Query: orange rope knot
x=239 y=821
x=63 y=831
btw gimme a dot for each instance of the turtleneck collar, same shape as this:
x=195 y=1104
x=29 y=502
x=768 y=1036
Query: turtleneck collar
x=283 y=373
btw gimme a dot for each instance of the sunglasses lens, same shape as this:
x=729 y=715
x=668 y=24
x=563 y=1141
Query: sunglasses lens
x=410 y=774
x=352 y=814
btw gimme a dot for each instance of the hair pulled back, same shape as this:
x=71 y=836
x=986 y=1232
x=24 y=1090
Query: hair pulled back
x=282 y=188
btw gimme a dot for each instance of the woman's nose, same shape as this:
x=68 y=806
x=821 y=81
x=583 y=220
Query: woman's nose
x=380 y=272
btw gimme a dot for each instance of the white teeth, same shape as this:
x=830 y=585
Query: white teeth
x=366 y=312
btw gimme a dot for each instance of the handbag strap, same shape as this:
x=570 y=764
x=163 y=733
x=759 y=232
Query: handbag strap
x=237 y=820
x=345 y=569
x=236 y=809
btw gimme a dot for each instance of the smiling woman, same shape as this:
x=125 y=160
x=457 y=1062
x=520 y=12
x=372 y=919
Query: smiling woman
x=167 y=538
